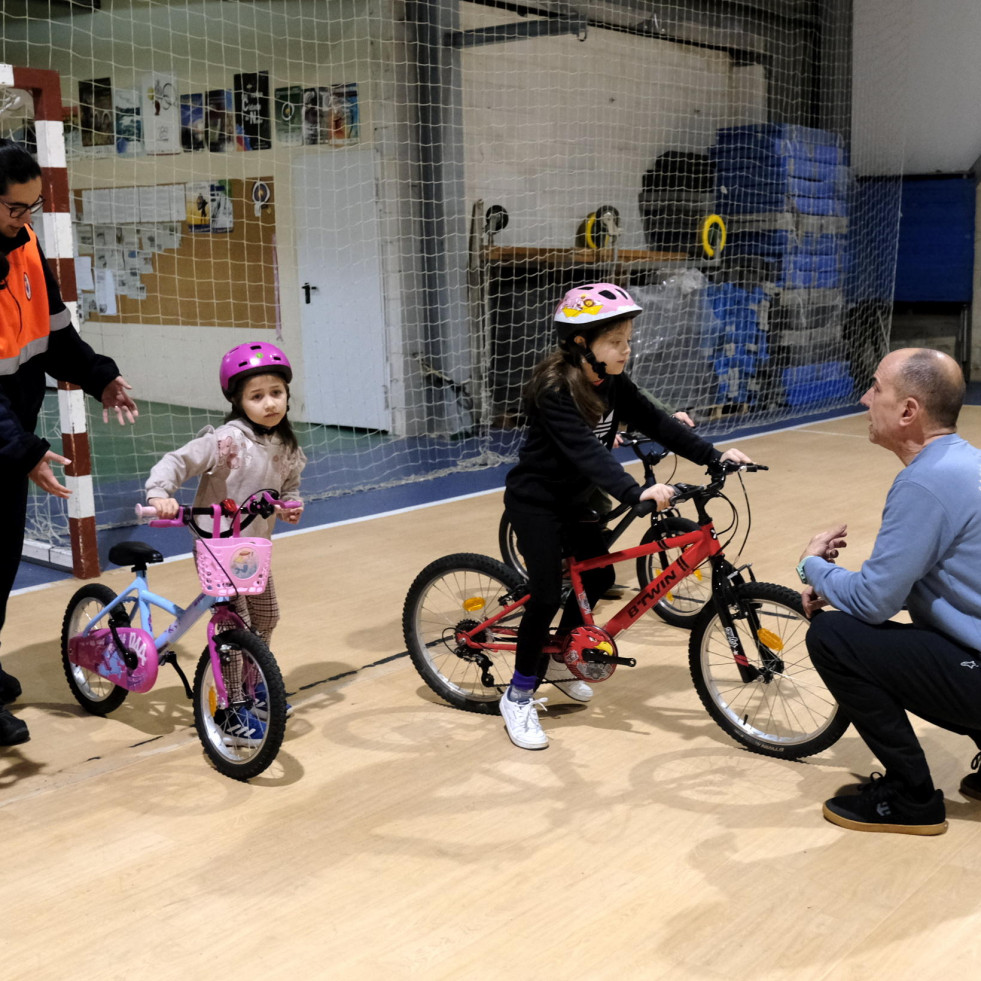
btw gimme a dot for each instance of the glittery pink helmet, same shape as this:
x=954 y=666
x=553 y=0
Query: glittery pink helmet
x=252 y=359
x=584 y=307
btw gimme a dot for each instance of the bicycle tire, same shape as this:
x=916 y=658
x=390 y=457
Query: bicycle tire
x=259 y=666
x=444 y=597
x=97 y=695
x=507 y=542
x=786 y=711
x=680 y=606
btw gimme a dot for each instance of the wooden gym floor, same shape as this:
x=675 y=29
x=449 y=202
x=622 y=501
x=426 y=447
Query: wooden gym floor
x=399 y=838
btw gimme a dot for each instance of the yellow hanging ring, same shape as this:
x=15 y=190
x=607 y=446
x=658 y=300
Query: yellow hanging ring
x=588 y=231
x=713 y=236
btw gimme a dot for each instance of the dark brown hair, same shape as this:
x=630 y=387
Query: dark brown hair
x=562 y=371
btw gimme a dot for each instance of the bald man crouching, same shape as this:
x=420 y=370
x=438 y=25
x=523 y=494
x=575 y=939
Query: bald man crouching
x=927 y=557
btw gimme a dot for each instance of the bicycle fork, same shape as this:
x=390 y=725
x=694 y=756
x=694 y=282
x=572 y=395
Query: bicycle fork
x=725 y=580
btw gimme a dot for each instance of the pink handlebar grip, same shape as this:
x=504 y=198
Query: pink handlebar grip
x=143 y=511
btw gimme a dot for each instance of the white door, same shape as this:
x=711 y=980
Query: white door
x=345 y=359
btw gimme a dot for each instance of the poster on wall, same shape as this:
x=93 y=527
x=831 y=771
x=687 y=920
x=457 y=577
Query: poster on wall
x=252 y=110
x=221 y=206
x=219 y=121
x=288 y=115
x=192 y=122
x=97 y=115
x=344 y=121
x=161 y=114
x=198 y=198
x=129 y=125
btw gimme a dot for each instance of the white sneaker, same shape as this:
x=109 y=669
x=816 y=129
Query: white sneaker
x=521 y=722
x=573 y=687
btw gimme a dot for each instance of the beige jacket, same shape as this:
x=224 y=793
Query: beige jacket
x=233 y=462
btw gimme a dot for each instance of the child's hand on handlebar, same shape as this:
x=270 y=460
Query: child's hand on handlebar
x=732 y=455
x=289 y=515
x=662 y=494
x=167 y=507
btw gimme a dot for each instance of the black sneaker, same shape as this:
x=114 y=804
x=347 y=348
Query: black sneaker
x=882 y=806
x=12 y=730
x=971 y=784
x=10 y=689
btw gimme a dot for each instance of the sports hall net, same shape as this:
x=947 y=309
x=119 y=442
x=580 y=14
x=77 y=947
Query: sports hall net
x=397 y=193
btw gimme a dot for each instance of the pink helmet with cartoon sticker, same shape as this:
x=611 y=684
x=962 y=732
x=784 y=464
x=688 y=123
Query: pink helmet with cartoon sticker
x=245 y=360
x=584 y=307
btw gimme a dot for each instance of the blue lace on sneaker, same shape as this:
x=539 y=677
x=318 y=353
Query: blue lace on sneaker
x=260 y=704
x=240 y=727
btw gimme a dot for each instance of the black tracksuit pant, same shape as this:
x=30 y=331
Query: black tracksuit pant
x=544 y=540
x=879 y=672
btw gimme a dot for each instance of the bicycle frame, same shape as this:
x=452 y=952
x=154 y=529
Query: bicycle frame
x=696 y=547
x=142 y=600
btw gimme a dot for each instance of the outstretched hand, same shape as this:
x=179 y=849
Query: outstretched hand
x=115 y=397
x=826 y=544
x=44 y=477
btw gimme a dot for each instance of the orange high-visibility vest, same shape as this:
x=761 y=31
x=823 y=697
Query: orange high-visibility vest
x=25 y=310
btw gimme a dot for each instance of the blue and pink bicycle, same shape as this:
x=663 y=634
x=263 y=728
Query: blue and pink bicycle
x=109 y=648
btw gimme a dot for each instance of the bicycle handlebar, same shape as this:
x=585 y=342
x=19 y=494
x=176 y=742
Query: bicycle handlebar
x=718 y=472
x=262 y=503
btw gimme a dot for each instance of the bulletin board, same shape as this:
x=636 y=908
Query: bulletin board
x=212 y=278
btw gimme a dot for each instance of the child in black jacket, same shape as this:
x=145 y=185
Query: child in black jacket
x=576 y=400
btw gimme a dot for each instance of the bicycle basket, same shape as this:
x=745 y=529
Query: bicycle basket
x=229 y=566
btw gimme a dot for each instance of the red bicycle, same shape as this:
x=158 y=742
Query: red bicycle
x=747 y=656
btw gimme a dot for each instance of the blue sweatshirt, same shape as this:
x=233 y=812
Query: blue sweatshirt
x=927 y=555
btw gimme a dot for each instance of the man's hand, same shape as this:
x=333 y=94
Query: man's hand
x=683 y=416
x=732 y=455
x=116 y=399
x=812 y=602
x=826 y=544
x=44 y=477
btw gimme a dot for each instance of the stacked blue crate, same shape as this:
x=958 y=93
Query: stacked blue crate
x=735 y=340
x=782 y=190
x=776 y=167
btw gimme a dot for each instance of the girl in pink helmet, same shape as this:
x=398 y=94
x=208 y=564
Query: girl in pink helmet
x=576 y=401
x=254 y=449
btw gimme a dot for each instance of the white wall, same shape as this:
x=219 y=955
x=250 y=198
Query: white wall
x=917 y=85
x=551 y=159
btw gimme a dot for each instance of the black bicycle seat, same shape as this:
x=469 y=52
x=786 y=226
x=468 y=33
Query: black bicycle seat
x=134 y=553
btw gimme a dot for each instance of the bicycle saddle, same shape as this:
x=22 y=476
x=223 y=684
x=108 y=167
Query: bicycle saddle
x=134 y=553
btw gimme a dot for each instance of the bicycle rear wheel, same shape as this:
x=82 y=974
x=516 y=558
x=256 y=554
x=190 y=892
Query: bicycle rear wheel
x=95 y=694
x=679 y=607
x=237 y=742
x=507 y=542
x=458 y=592
x=785 y=710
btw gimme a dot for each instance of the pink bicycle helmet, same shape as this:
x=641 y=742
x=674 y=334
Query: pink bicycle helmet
x=584 y=307
x=245 y=360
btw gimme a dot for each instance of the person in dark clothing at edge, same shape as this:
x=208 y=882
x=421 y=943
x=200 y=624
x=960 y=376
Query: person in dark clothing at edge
x=576 y=400
x=36 y=338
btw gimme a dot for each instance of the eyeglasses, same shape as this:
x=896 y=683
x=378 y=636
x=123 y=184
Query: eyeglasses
x=19 y=210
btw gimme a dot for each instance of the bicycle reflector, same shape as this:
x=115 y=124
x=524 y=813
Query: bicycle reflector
x=586 y=654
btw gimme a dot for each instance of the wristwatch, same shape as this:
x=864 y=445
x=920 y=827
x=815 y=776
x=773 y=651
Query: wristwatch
x=800 y=571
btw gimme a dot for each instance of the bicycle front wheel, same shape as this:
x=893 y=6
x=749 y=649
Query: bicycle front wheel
x=459 y=592
x=682 y=604
x=785 y=709
x=95 y=694
x=237 y=741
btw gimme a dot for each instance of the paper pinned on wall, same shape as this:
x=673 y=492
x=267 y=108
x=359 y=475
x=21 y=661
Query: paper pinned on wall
x=105 y=292
x=83 y=273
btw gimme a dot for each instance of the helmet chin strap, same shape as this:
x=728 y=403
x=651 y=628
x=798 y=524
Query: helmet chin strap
x=598 y=366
